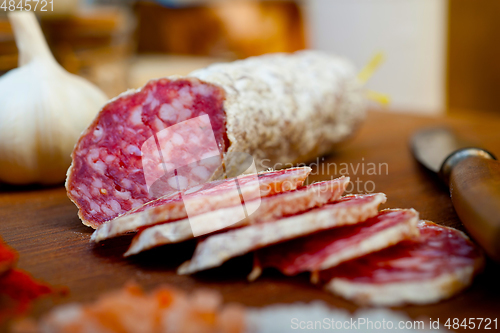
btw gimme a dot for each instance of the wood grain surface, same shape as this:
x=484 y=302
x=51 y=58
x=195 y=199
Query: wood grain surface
x=53 y=245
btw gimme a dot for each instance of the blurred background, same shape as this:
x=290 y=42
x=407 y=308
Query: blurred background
x=441 y=56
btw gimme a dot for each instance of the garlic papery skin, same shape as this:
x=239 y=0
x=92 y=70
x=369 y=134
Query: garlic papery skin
x=43 y=110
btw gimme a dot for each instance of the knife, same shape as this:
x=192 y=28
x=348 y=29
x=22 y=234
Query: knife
x=473 y=177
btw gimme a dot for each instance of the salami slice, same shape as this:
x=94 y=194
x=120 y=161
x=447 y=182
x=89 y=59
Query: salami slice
x=270 y=209
x=208 y=197
x=281 y=109
x=216 y=249
x=437 y=265
x=332 y=247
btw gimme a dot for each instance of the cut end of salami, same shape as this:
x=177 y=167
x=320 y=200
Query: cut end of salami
x=204 y=198
x=438 y=264
x=107 y=176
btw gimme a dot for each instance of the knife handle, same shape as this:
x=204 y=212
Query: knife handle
x=475 y=193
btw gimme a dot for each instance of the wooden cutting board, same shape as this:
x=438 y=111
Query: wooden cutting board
x=53 y=245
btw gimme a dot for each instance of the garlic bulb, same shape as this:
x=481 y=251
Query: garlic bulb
x=43 y=110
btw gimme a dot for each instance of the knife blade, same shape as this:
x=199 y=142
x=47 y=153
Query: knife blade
x=473 y=177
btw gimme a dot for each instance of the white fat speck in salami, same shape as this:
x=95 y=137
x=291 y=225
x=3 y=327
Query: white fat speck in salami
x=202 y=199
x=436 y=265
x=216 y=249
x=281 y=109
x=331 y=247
x=269 y=209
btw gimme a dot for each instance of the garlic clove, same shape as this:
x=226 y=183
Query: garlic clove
x=43 y=110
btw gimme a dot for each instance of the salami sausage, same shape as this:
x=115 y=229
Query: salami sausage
x=216 y=249
x=287 y=108
x=270 y=209
x=332 y=247
x=437 y=265
x=281 y=109
x=208 y=197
